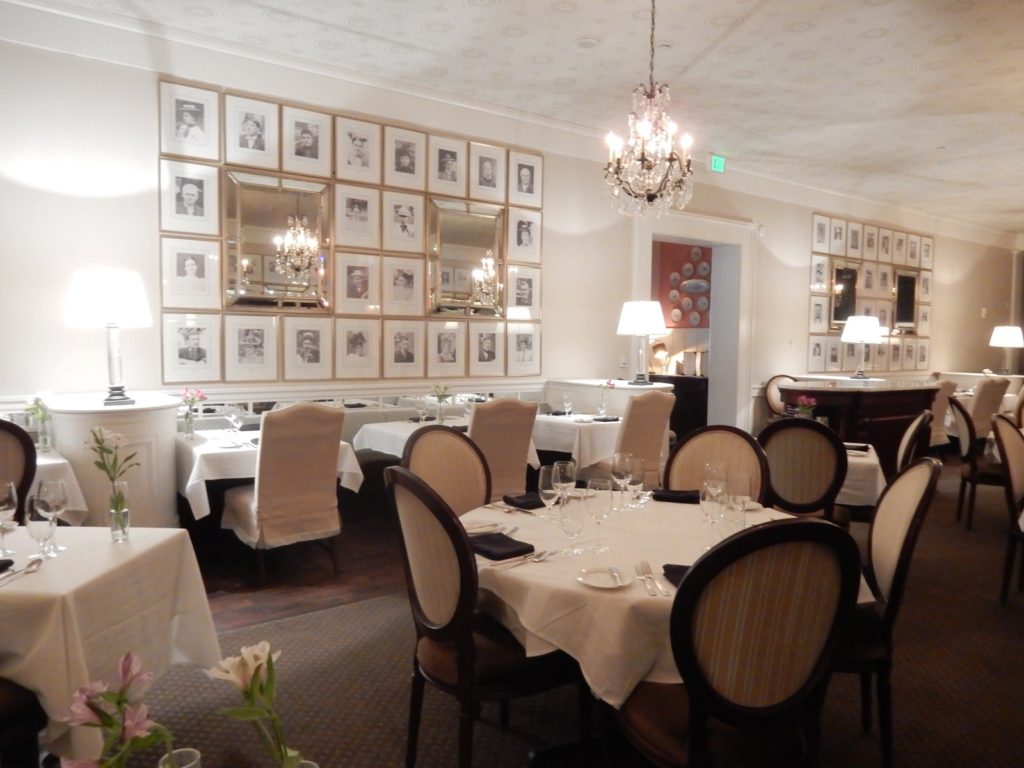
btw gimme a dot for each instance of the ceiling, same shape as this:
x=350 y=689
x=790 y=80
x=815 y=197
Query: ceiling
x=911 y=103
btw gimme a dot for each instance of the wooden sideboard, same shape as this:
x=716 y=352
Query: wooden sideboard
x=691 y=408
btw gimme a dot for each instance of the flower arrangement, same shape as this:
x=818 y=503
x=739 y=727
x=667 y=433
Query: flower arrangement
x=805 y=405
x=190 y=398
x=120 y=715
x=441 y=393
x=107 y=446
x=253 y=674
x=37 y=409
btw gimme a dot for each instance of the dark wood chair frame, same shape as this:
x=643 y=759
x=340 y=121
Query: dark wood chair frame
x=826 y=502
x=23 y=484
x=1015 y=506
x=758 y=450
x=772 y=412
x=918 y=443
x=979 y=472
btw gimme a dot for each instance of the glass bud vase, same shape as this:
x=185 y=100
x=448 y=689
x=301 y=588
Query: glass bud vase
x=183 y=758
x=440 y=412
x=189 y=430
x=120 y=515
x=602 y=406
x=45 y=443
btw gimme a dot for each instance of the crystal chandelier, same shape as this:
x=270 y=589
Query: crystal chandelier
x=298 y=252
x=645 y=173
x=484 y=281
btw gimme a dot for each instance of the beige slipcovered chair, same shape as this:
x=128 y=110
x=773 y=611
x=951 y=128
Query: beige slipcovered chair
x=975 y=467
x=729 y=446
x=17 y=462
x=988 y=399
x=294 y=497
x=451 y=464
x=866 y=648
x=753 y=638
x=773 y=397
x=644 y=434
x=502 y=430
x=940 y=405
x=1011 y=448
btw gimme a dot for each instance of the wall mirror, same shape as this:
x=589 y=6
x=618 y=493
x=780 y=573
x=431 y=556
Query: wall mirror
x=270 y=262
x=465 y=256
x=844 y=292
x=904 y=314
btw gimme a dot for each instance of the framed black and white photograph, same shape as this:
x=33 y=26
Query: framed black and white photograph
x=924 y=320
x=191 y=273
x=307 y=348
x=832 y=354
x=895 y=353
x=486 y=349
x=191 y=347
x=447 y=279
x=357 y=283
x=868 y=281
x=405 y=158
x=523 y=293
x=486 y=173
x=909 y=354
x=524 y=230
x=816 y=349
x=884 y=313
x=927 y=252
x=818 y=314
x=357 y=348
x=251 y=135
x=885 y=245
x=523 y=349
x=819 y=273
x=885 y=281
x=819 y=233
x=462 y=280
x=879 y=357
x=854 y=240
x=837 y=237
x=189 y=121
x=403 y=222
x=402 y=285
x=250 y=348
x=924 y=287
x=870 y=251
x=923 y=354
x=525 y=179
x=913 y=250
x=357 y=216
x=446 y=348
x=306 y=141
x=868 y=307
x=357 y=155
x=403 y=349
x=446 y=166
x=189 y=198
x=899 y=247
x=849 y=351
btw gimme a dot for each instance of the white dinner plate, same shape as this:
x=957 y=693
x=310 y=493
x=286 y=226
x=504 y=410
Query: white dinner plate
x=602 y=578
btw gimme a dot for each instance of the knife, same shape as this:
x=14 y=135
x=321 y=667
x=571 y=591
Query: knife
x=617 y=575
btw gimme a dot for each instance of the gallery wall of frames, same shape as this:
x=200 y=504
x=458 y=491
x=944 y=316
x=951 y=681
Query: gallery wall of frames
x=374 y=321
x=860 y=268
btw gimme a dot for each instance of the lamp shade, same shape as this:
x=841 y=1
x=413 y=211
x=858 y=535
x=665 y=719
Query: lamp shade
x=641 y=318
x=862 y=329
x=1006 y=336
x=102 y=296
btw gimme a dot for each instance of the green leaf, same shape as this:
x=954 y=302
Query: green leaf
x=246 y=713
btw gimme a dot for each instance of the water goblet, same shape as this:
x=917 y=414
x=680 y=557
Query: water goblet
x=714 y=477
x=710 y=503
x=635 y=483
x=741 y=493
x=8 y=506
x=571 y=519
x=40 y=525
x=621 y=467
x=547 y=491
x=598 y=501
x=52 y=496
x=235 y=417
x=422 y=405
x=567 y=404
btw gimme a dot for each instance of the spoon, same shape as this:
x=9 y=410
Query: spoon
x=32 y=566
x=536 y=557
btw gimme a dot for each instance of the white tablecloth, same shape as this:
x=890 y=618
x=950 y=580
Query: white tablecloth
x=222 y=454
x=392 y=436
x=69 y=623
x=865 y=480
x=588 y=441
x=52 y=466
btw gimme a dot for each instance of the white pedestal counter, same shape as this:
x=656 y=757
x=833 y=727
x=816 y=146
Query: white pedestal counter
x=586 y=393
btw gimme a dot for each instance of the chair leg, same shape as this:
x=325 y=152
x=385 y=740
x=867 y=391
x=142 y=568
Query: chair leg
x=960 y=499
x=865 y=701
x=415 y=707
x=466 y=713
x=586 y=711
x=261 y=565
x=885 y=717
x=970 y=505
x=503 y=714
x=1011 y=551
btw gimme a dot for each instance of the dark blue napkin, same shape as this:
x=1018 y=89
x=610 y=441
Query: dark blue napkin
x=675 y=573
x=5 y=564
x=557 y=413
x=463 y=428
x=679 y=497
x=606 y=418
x=417 y=419
x=254 y=427
x=254 y=440
x=354 y=405
x=498 y=546
x=857 y=447
x=526 y=501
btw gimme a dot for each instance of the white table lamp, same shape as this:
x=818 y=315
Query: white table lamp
x=105 y=297
x=861 y=330
x=641 y=319
x=1008 y=337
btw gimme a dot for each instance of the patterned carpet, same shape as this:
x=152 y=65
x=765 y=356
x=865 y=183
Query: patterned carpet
x=958 y=684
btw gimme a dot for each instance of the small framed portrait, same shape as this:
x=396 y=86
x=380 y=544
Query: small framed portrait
x=837 y=237
x=357 y=352
x=885 y=281
x=924 y=320
x=462 y=280
x=924 y=287
x=870 y=250
x=923 y=354
x=850 y=356
x=447 y=281
x=879 y=357
x=526 y=179
x=832 y=354
x=357 y=283
x=854 y=240
x=884 y=313
x=927 y=252
x=524 y=230
x=306 y=142
x=523 y=293
x=819 y=314
x=899 y=247
x=816 y=348
x=909 y=353
x=868 y=307
x=405 y=158
x=486 y=173
x=523 y=349
x=250 y=348
x=357 y=216
x=819 y=233
x=251 y=135
x=819 y=273
x=191 y=347
x=913 y=250
x=403 y=222
x=885 y=245
x=191 y=273
x=447 y=166
x=189 y=121
x=868 y=285
x=895 y=354
x=486 y=349
x=403 y=349
x=189 y=198
x=307 y=348
x=446 y=348
x=357 y=155
x=402 y=286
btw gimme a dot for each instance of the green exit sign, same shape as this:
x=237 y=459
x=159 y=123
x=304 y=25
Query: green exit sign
x=716 y=163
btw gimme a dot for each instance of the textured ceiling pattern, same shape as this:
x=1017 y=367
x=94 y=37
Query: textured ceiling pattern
x=913 y=103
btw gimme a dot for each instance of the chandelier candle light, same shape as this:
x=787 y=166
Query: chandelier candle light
x=644 y=172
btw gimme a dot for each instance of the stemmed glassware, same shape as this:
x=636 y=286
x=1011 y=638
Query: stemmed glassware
x=546 y=489
x=235 y=417
x=52 y=497
x=8 y=506
x=713 y=493
x=635 y=483
x=598 y=501
x=567 y=404
x=621 y=468
x=40 y=524
x=564 y=480
x=571 y=519
x=422 y=405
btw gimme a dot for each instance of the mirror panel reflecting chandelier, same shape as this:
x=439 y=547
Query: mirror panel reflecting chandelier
x=298 y=252
x=645 y=172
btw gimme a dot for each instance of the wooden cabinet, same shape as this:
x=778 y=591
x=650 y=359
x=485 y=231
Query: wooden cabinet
x=691 y=408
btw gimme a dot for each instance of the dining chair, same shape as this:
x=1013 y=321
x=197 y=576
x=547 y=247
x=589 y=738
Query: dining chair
x=1018 y=408
x=807 y=466
x=1011 y=447
x=294 y=497
x=754 y=626
x=867 y=647
x=975 y=467
x=730 y=446
x=644 y=434
x=21 y=720
x=988 y=397
x=502 y=430
x=461 y=650
x=451 y=464
x=915 y=441
x=17 y=462
x=777 y=409
x=940 y=406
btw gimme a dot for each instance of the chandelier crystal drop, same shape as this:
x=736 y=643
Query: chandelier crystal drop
x=298 y=252
x=644 y=172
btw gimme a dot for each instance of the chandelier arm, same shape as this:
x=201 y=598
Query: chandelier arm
x=651 y=74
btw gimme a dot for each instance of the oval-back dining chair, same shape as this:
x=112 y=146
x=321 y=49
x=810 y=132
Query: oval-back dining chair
x=17 y=462
x=807 y=466
x=451 y=464
x=730 y=446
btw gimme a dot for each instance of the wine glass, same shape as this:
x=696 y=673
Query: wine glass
x=567 y=404
x=564 y=478
x=40 y=524
x=571 y=519
x=546 y=489
x=635 y=483
x=714 y=478
x=621 y=468
x=52 y=496
x=8 y=506
x=741 y=493
x=421 y=408
x=235 y=417
x=710 y=504
x=598 y=501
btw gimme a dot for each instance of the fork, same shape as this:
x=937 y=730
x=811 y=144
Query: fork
x=643 y=577
x=649 y=573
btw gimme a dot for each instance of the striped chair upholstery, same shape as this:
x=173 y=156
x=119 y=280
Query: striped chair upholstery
x=451 y=464
x=807 y=466
x=502 y=430
x=777 y=409
x=736 y=450
x=1011 y=448
x=915 y=440
x=17 y=462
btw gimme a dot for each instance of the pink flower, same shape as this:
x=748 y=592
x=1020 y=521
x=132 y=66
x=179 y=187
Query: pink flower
x=69 y=763
x=131 y=672
x=806 y=402
x=136 y=722
x=81 y=712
